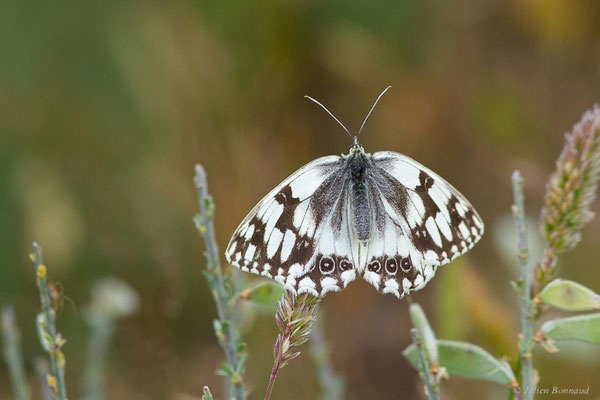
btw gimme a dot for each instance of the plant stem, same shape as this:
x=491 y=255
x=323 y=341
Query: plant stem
x=332 y=386
x=526 y=338
x=294 y=317
x=12 y=354
x=274 y=371
x=57 y=358
x=110 y=299
x=229 y=341
x=517 y=393
x=93 y=374
x=432 y=392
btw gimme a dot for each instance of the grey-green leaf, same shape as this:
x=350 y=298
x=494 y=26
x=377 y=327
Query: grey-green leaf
x=265 y=293
x=570 y=296
x=585 y=328
x=420 y=322
x=467 y=360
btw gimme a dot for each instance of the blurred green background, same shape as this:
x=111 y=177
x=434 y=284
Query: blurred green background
x=106 y=106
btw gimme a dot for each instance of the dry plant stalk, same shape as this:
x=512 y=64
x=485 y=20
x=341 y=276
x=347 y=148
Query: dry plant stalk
x=571 y=189
x=295 y=316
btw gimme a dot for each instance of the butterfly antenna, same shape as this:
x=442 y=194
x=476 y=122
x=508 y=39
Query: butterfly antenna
x=332 y=116
x=372 y=108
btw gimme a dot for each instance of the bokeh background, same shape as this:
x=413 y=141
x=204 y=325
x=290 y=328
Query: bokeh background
x=105 y=107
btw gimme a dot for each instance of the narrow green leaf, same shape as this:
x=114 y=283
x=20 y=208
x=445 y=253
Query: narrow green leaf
x=585 y=328
x=200 y=223
x=225 y=370
x=570 y=296
x=198 y=219
x=261 y=298
x=467 y=360
x=241 y=347
x=242 y=362
x=210 y=205
x=419 y=320
x=517 y=285
x=219 y=330
x=42 y=329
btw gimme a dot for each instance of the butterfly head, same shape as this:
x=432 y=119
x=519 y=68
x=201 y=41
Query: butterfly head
x=356 y=148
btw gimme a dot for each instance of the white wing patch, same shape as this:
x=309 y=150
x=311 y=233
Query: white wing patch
x=289 y=239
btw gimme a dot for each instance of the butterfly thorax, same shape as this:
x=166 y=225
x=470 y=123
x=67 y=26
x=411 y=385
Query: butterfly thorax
x=358 y=162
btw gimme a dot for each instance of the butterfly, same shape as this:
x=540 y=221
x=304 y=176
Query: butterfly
x=382 y=216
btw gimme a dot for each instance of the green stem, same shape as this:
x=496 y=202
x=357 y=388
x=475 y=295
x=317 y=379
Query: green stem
x=526 y=340
x=12 y=354
x=433 y=393
x=57 y=360
x=93 y=375
x=230 y=342
x=332 y=387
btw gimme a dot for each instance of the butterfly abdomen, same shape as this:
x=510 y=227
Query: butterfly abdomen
x=361 y=212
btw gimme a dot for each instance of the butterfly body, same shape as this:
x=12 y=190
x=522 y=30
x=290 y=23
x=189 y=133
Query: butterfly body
x=357 y=166
x=383 y=216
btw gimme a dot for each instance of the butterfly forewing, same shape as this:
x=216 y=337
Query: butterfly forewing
x=297 y=234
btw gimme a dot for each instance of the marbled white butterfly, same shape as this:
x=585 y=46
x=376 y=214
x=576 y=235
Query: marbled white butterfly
x=383 y=216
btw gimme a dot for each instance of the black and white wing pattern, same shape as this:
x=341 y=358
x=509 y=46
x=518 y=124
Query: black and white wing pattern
x=421 y=222
x=299 y=234
x=383 y=216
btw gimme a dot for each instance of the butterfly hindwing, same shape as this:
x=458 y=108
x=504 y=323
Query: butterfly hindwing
x=421 y=222
x=391 y=262
x=335 y=255
x=297 y=234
